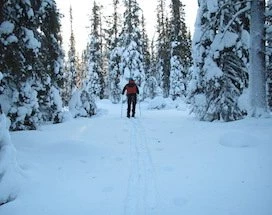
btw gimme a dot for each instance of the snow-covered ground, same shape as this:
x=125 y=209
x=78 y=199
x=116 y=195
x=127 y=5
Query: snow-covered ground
x=163 y=162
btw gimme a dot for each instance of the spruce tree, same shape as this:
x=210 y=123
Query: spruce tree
x=19 y=50
x=10 y=171
x=96 y=83
x=220 y=72
x=150 y=89
x=269 y=53
x=114 y=56
x=146 y=51
x=180 y=51
x=52 y=55
x=70 y=75
x=131 y=44
x=163 y=48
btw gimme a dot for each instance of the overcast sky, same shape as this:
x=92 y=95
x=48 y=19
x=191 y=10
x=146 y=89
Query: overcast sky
x=82 y=9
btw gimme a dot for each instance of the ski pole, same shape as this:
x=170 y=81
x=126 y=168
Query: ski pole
x=121 y=106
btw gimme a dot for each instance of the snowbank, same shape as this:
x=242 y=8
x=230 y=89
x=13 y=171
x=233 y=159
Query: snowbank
x=159 y=103
x=82 y=104
x=9 y=171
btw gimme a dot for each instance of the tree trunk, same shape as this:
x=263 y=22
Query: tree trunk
x=257 y=86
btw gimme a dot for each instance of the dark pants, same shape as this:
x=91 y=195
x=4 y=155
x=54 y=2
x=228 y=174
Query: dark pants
x=131 y=101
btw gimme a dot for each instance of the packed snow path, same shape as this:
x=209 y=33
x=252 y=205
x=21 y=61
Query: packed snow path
x=163 y=162
x=142 y=192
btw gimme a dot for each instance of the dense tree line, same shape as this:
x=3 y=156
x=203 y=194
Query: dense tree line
x=230 y=64
x=229 y=60
x=36 y=83
x=31 y=62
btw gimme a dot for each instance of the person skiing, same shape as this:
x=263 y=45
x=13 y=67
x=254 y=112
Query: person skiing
x=132 y=91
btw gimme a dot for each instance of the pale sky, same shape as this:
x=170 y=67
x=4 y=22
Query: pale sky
x=82 y=10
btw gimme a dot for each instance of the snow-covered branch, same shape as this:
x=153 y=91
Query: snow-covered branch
x=247 y=8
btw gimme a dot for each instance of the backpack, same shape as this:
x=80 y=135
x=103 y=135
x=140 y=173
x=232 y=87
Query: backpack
x=131 y=88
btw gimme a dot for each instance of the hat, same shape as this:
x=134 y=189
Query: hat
x=130 y=79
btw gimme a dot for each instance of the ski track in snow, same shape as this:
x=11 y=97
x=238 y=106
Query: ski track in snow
x=142 y=192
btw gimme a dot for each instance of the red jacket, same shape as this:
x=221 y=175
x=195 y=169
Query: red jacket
x=131 y=88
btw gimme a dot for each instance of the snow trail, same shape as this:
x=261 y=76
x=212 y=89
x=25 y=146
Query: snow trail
x=141 y=191
x=163 y=163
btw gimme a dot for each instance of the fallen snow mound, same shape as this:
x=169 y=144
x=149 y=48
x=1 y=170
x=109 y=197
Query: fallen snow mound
x=238 y=140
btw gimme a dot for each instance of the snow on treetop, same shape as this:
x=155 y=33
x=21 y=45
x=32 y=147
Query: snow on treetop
x=6 y=27
x=212 y=6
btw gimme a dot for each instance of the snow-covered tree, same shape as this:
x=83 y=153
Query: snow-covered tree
x=163 y=48
x=146 y=51
x=52 y=59
x=10 y=173
x=20 y=51
x=220 y=53
x=114 y=75
x=31 y=62
x=71 y=65
x=180 y=51
x=131 y=44
x=94 y=68
x=151 y=88
x=114 y=55
x=82 y=104
x=269 y=53
x=24 y=112
x=177 y=78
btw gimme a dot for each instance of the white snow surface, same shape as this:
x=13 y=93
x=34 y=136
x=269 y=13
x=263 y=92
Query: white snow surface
x=10 y=173
x=162 y=162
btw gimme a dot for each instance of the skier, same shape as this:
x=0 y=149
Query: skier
x=132 y=91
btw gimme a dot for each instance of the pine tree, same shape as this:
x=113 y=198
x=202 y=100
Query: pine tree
x=163 y=48
x=71 y=66
x=10 y=172
x=146 y=51
x=150 y=89
x=269 y=53
x=19 y=50
x=131 y=44
x=180 y=51
x=32 y=61
x=82 y=102
x=114 y=56
x=94 y=68
x=220 y=72
x=52 y=59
